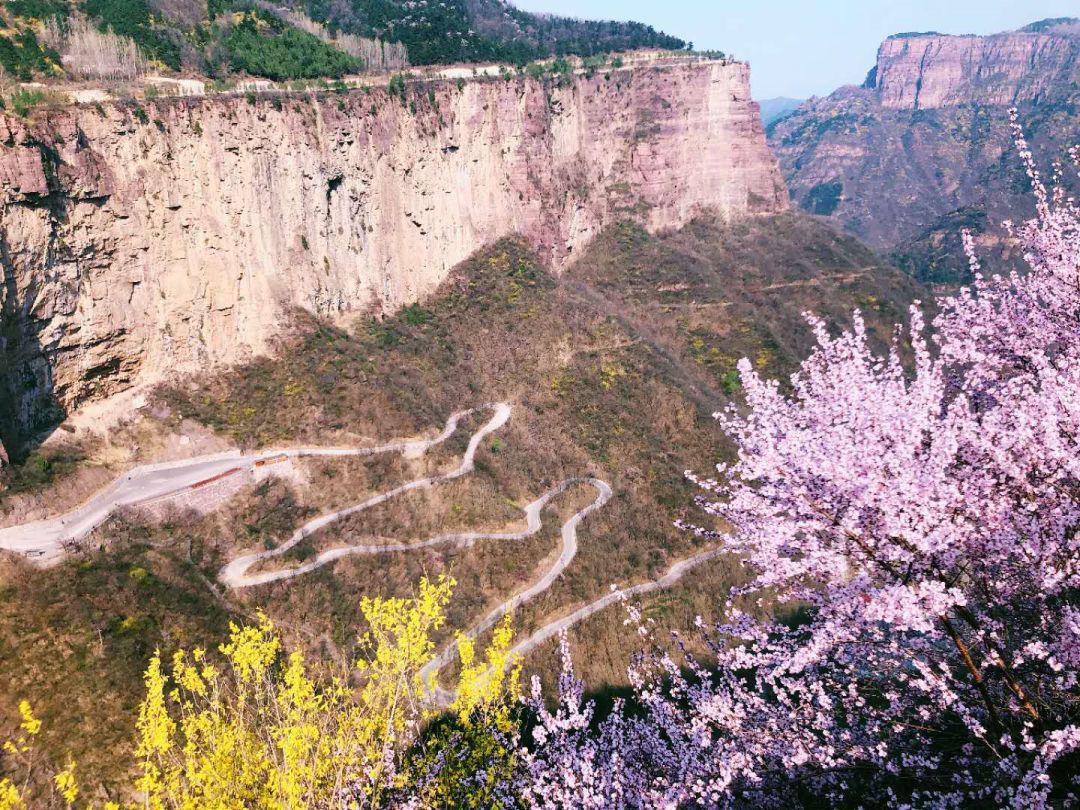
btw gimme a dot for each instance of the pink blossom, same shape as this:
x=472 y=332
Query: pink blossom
x=921 y=511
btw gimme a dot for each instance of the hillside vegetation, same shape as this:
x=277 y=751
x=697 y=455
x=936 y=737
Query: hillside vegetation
x=613 y=369
x=440 y=31
x=299 y=39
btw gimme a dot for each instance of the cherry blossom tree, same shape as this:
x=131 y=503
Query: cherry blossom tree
x=917 y=518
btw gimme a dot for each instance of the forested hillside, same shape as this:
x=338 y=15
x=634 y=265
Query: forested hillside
x=292 y=39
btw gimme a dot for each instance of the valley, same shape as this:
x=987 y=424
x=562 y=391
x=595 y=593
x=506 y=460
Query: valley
x=923 y=148
x=305 y=304
x=620 y=355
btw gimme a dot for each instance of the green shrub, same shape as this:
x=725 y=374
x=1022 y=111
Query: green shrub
x=415 y=315
x=23 y=101
x=562 y=67
x=40 y=469
x=39 y=9
x=396 y=85
x=22 y=56
x=263 y=46
x=730 y=382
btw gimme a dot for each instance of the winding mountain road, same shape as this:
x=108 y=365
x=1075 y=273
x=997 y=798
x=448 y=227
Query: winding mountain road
x=234 y=575
x=553 y=628
x=45 y=541
x=429 y=673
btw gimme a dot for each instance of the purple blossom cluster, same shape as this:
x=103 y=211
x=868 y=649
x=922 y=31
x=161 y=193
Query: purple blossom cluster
x=916 y=519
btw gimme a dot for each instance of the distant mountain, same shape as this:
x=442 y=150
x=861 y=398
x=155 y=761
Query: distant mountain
x=1054 y=24
x=923 y=147
x=773 y=109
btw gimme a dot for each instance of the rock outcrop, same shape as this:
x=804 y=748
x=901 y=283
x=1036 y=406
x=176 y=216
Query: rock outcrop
x=923 y=149
x=138 y=242
x=926 y=71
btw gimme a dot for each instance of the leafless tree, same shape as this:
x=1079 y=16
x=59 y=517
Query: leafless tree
x=377 y=56
x=90 y=53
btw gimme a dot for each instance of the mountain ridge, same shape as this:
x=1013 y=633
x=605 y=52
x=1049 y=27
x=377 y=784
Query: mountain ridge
x=925 y=144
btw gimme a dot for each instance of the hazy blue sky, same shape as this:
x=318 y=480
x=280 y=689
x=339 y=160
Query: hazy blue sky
x=801 y=48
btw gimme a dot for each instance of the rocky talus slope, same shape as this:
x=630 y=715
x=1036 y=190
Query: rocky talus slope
x=137 y=242
x=923 y=148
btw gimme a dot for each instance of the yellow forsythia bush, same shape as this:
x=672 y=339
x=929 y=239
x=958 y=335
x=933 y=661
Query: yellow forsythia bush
x=254 y=728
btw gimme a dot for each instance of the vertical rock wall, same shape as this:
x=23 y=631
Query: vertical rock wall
x=138 y=242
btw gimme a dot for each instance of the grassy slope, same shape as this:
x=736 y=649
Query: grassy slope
x=613 y=370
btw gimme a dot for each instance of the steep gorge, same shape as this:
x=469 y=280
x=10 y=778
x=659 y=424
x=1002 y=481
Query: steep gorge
x=138 y=242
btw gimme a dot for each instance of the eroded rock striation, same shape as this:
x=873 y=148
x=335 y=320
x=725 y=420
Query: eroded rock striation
x=143 y=241
x=929 y=71
x=923 y=148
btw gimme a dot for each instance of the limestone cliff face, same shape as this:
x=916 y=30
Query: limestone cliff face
x=923 y=149
x=139 y=242
x=932 y=71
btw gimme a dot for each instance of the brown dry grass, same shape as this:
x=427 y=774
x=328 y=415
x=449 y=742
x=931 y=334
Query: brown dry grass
x=613 y=371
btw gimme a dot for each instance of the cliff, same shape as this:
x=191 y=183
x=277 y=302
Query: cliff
x=922 y=72
x=141 y=242
x=923 y=149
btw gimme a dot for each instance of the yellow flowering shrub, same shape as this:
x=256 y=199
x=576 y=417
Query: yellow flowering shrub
x=475 y=741
x=10 y=798
x=258 y=730
x=261 y=732
x=20 y=752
